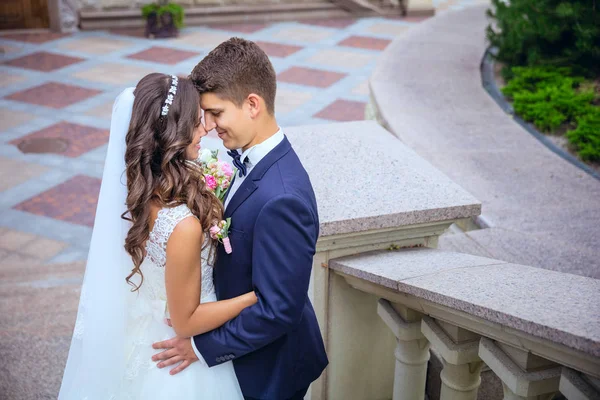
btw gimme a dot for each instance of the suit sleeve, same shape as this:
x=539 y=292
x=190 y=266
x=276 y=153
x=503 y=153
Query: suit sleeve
x=284 y=242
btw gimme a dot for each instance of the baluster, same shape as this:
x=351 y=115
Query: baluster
x=412 y=350
x=577 y=386
x=524 y=376
x=461 y=375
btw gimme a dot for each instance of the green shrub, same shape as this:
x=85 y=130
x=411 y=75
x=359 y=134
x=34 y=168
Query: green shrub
x=586 y=137
x=174 y=9
x=552 y=98
x=547 y=32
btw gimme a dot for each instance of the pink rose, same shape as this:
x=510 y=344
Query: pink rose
x=227 y=169
x=214 y=231
x=211 y=182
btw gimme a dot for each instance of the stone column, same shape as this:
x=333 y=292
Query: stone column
x=577 y=386
x=419 y=7
x=64 y=15
x=412 y=350
x=524 y=376
x=462 y=365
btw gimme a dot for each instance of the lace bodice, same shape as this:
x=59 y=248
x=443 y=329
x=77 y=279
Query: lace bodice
x=156 y=250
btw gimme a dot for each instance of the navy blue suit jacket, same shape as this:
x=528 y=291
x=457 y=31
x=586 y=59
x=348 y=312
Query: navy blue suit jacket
x=276 y=345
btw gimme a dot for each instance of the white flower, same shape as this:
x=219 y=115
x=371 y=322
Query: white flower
x=206 y=156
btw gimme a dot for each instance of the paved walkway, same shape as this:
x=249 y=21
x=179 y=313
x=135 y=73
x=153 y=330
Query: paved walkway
x=541 y=210
x=63 y=86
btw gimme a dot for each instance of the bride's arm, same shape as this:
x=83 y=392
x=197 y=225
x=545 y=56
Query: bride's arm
x=182 y=279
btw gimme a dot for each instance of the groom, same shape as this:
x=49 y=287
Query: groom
x=275 y=345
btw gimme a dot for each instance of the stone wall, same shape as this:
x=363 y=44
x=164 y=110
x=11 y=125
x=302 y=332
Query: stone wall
x=107 y=4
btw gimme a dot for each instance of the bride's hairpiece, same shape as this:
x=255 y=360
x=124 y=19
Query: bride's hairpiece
x=170 y=95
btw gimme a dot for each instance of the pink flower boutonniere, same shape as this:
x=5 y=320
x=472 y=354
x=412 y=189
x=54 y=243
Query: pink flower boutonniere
x=219 y=231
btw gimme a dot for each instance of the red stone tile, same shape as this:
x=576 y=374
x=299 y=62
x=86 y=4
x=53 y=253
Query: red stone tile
x=79 y=138
x=43 y=61
x=310 y=77
x=72 y=201
x=278 y=50
x=339 y=23
x=37 y=38
x=343 y=110
x=242 y=28
x=54 y=95
x=365 y=42
x=163 y=55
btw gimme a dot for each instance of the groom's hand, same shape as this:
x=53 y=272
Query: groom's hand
x=177 y=350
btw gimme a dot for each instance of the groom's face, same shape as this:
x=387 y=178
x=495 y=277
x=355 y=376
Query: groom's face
x=233 y=123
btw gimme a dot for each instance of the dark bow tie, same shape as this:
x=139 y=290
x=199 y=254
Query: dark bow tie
x=241 y=166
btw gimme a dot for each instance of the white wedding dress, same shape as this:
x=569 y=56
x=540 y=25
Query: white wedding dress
x=110 y=357
x=146 y=313
x=146 y=325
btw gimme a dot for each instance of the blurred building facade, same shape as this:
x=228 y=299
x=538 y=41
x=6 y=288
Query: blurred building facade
x=70 y=15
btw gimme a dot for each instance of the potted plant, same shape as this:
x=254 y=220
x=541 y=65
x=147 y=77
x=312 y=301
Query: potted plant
x=163 y=19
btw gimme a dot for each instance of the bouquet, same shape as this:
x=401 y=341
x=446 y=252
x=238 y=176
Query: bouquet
x=217 y=174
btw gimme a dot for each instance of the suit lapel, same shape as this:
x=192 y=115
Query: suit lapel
x=244 y=191
x=250 y=184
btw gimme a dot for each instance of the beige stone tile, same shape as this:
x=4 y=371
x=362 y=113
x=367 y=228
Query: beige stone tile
x=201 y=40
x=6 y=49
x=14 y=240
x=11 y=118
x=42 y=248
x=302 y=34
x=15 y=172
x=8 y=79
x=95 y=45
x=115 y=74
x=362 y=89
x=16 y=259
x=341 y=58
x=8 y=181
x=387 y=28
x=4 y=255
x=289 y=100
x=446 y=5
x=102 y=111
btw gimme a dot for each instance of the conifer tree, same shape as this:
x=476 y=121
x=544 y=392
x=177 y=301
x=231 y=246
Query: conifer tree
x=547 y=32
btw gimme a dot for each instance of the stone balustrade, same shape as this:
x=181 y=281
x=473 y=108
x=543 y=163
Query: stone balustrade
x=532 y=327
x=385 y=296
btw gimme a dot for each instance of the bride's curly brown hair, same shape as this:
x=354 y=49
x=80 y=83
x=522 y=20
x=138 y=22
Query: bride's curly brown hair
x=156 y=166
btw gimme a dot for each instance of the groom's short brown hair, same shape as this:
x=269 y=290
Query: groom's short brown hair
x=234 y=69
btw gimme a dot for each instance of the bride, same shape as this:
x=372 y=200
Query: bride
x=150 y=256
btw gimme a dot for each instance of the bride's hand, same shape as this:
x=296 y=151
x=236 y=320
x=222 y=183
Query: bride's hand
x=251 y=298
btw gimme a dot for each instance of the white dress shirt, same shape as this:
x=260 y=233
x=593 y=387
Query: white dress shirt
x=253 y=155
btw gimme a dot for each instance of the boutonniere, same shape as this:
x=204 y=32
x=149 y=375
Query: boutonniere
x=220 y=231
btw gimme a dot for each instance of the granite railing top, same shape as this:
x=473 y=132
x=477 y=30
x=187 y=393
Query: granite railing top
x=365 y=179
x=426 y=88
x=556 y=306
